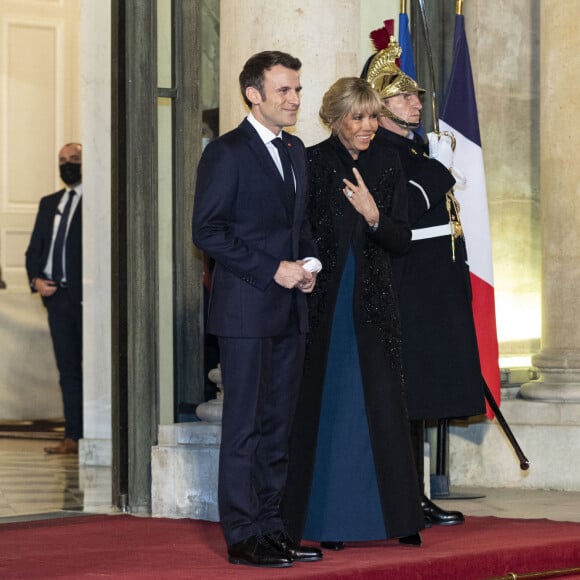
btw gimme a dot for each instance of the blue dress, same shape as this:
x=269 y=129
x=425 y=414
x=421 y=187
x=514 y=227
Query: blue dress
x=344 y=500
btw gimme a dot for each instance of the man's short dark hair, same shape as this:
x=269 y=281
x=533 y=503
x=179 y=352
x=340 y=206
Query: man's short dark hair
x=252 y=74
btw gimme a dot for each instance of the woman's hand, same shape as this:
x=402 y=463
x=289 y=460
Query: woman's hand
x=361 y=199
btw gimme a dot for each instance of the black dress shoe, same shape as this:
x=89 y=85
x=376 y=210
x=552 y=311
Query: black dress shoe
x=293 y=550
x=436 y=516
x=336 y=546
x=412 y=540
x=258 y=551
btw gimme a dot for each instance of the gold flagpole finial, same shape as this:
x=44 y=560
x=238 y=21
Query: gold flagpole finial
x=403 y=7
x=458 y=6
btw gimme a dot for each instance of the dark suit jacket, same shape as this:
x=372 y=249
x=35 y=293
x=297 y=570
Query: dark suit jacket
x=39 y=246
x=242 y=220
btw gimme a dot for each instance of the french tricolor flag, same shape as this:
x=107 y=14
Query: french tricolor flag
x=459 y=115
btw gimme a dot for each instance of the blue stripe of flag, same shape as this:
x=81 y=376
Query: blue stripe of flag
x=460 y=107
x=407 y=60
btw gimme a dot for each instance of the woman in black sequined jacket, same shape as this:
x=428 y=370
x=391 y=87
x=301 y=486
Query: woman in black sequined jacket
x=351 y=473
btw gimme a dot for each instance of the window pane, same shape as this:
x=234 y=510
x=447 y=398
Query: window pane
x=164 y=78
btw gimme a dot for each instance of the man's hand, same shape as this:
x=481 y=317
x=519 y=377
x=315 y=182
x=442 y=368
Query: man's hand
x=308 y=285
x=45 y=287
x=293 y=275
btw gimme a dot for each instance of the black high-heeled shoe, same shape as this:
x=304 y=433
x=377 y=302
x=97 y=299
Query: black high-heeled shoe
x=336 y=546
x=412 y=540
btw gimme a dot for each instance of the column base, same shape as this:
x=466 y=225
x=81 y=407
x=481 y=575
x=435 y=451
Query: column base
x=559 y=379
x=95 y=452
x=184 y=471
x=548 y=389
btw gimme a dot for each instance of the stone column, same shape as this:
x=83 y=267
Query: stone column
x=95 y=55
x=325 y=36
x=559 y=359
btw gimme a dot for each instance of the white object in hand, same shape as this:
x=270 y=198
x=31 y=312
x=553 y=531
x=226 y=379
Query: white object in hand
x=312 y=265
x=440 y=149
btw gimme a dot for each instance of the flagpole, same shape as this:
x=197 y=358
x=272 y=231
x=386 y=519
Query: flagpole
x=431 y=66
x=459 y=7
x=524 y=462
x=403 y=6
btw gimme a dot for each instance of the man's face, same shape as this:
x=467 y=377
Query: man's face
x=70 y=163
x=406 y=107
x=70 y=154
x=279 y=105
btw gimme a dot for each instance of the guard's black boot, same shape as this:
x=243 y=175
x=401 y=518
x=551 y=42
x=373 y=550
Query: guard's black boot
x=436 y=516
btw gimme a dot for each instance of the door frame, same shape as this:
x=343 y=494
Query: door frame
x=136 y=388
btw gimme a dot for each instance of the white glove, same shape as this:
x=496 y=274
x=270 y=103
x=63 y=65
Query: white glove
x=460 y=179
x=440 y=149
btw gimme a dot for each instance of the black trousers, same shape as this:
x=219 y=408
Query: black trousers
x=418 y=444
x=65 y=320
x=261 y=378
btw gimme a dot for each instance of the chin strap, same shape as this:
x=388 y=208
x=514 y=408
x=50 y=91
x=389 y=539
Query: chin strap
x=399 y=121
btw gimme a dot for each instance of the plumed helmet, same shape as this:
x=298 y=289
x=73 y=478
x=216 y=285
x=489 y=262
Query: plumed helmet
x=386 y=77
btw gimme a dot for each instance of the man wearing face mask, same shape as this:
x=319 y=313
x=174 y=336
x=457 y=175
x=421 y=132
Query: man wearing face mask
x=54 y=266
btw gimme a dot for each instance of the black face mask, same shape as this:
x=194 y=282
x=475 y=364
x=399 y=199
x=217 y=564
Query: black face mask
x=70 y=173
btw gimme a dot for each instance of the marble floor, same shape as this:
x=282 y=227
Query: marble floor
x=37 y=486
x=34 y=485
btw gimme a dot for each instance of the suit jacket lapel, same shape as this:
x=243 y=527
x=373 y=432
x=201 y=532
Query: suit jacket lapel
x=267 y=163
x=259 y=148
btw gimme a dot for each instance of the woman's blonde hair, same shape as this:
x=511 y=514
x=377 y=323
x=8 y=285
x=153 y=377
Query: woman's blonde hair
x=348 y=95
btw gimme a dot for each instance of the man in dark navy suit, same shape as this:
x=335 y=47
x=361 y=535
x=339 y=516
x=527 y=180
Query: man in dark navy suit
x=54 y=266
x=250 y=218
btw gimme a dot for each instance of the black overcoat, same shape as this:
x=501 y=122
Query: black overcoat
x=336 y=227
x=441 y=359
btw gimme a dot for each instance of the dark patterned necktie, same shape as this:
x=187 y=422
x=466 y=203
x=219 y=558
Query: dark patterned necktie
x=57 y=250
x=286 y=166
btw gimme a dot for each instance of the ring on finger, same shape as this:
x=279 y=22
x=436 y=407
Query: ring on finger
x=349 y=193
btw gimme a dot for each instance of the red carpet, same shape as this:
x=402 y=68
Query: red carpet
x=129 y=547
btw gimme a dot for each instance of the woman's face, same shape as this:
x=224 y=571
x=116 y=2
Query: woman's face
x=356 y=132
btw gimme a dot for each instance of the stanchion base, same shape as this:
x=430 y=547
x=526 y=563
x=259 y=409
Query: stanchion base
x=440 y=490
x=456 y=495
